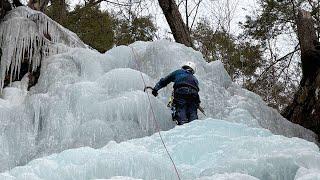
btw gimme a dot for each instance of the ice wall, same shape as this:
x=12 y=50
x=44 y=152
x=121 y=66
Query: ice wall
x=202 y=150
x=84 y=98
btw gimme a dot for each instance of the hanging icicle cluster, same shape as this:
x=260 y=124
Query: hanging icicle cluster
x=30 y=35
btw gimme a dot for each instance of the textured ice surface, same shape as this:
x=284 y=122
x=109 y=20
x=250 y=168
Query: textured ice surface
x=84 y=98
x=203 y=149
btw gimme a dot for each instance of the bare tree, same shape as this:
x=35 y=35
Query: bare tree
x=223 y=13
x=179 y=29
x=191 y=10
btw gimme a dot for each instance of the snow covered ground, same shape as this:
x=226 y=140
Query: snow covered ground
x=84 y=98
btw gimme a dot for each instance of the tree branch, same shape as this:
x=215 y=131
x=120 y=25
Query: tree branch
x=93 y=3
x=290 y=60
x=194 y=18
x=275 y=62
x=187 y=16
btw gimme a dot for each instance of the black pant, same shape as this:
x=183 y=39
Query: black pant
x=186 y=110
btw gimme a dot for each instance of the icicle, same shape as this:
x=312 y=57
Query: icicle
x=36 y=120
x=25 y=31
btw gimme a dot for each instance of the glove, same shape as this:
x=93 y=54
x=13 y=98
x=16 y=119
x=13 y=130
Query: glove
x=155 y=92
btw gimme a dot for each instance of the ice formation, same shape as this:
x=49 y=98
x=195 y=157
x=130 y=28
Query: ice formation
x=84 y=98
x=24 y=32
x=204 y=149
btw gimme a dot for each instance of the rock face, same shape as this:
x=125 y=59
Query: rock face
x=305 y=109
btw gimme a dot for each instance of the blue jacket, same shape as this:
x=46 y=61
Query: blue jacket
x=185 y=84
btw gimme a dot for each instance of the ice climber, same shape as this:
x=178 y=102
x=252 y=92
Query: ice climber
x=186 y=98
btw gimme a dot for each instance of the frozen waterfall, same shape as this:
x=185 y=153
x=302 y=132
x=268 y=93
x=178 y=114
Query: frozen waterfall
x=88 y=117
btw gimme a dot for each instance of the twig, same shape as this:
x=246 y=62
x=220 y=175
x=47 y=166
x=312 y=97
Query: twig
x=107 y=1
x=274 y=63
x=290 y=60
x=194 y=18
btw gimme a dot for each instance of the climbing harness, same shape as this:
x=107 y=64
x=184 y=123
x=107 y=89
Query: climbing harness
x=171 y=105
x=154 y=118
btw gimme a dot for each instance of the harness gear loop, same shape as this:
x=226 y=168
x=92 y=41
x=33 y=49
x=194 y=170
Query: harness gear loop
x=171 y=105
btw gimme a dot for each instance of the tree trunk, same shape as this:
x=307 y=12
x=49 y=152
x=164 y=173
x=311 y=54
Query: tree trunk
x=179 y=30
x=305 y=108
x=60 y=10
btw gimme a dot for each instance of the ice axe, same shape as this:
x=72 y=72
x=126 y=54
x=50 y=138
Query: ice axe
x=202 y=110
x=147 y=87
